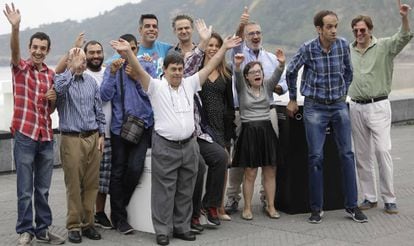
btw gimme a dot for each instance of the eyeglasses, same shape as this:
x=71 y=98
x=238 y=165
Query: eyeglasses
x=180 y=104
x=254 y=72
x=361 y=30
x=251 y=34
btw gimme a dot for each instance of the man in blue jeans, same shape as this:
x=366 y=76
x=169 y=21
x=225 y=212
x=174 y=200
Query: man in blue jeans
x=325 y=81
x=34 y=101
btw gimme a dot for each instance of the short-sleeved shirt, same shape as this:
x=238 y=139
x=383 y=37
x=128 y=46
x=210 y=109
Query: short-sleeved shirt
x=31 y=110
x=174 y=108
x=157 y=52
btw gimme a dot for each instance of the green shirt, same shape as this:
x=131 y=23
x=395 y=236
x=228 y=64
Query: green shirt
x=373 y=69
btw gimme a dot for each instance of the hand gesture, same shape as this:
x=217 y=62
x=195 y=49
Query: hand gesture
x=238 y=59
x=76 y=61
x=51 y=94
x=281 y=58
x=13 y=15
x=404 y=8
x=80 y=40
x=231 y=42
x=116 y=65
x=131 y=72
x=244 y=18
x=203 y=31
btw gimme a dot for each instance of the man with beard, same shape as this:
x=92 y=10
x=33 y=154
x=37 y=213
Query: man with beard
x=253 y=50
x=326 y=77
x=128 y=158
x=34 y=101
x=94 y=59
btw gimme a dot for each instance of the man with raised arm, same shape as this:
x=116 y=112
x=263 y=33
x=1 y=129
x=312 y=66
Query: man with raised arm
x=34 y=101
x=370 y=109
x=174 y=148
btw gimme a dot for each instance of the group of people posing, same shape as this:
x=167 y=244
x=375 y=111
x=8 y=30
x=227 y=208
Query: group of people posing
x=194 y=109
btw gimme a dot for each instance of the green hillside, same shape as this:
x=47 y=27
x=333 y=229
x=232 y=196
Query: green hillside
x=285 y=23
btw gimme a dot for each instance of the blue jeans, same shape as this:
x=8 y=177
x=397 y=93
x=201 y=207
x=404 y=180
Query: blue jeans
x=317 y=116
x=34 y=167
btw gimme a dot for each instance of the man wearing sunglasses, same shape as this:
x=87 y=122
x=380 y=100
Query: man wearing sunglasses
x=370 y=109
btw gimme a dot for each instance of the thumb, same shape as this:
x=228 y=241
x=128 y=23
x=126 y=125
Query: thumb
x=246 y=10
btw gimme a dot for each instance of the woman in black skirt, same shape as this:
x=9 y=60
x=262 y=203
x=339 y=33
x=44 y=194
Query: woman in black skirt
x=257 y=144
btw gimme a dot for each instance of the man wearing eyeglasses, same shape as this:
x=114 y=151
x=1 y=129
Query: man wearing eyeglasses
x=370 y=108
x=253 y=50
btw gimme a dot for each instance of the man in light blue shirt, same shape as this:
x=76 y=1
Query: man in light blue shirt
x=150 y=48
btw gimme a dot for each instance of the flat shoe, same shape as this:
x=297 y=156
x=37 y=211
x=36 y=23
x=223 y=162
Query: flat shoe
x=274 y=215
x=224 y=217
x=247 y=215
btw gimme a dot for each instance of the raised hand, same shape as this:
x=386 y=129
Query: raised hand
x=281 y=58
x=12 y=14
x=244 y=18
x=231 y=42
x=238 y=59
x=116 y=65
x=203 y=31
x=80 y=40
x=76 y=61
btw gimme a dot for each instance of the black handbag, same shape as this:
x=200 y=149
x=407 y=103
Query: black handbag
x=132 y=127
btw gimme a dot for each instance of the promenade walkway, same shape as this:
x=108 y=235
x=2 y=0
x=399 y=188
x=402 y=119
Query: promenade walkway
x=336 y=229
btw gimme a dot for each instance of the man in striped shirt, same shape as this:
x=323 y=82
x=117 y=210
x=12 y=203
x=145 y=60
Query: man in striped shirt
x=34 y=101
x=82 y=126
x=326 y=77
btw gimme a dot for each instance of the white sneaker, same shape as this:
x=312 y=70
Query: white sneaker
x=25 y=239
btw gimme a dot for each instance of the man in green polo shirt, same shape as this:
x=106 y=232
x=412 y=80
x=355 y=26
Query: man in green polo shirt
x=370 y=108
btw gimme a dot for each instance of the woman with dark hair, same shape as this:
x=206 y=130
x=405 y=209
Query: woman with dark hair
x=257 y=143
x=217 y=103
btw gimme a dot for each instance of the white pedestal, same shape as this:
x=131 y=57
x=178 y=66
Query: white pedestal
x=139 y=208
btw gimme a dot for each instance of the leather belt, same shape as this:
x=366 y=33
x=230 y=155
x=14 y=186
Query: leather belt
x=180 y=142
x=327 y=101
x=371 y=100
x=84 y=134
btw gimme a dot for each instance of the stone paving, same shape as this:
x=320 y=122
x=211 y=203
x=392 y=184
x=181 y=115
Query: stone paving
x=336 y=228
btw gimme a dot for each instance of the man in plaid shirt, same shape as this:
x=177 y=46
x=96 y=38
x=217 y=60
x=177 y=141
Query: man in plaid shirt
x=326 y=77
x=34 y=101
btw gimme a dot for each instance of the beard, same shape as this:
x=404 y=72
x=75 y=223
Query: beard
x=93 y=66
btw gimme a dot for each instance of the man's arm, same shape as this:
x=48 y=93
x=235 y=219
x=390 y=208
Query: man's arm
x=61 y=66
x=123 y=46
x=229 y=42
x=13 y=16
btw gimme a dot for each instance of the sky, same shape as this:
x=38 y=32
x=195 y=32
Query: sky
x=37 y=12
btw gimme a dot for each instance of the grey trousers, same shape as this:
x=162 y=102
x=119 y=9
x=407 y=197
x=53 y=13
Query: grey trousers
x=174 y=170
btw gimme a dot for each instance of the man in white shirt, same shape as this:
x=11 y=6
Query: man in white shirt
x=174 y=147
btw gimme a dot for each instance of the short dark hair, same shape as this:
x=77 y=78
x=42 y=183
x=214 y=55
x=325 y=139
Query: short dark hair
x=146 y=16
x=364 y=18
x=318 y=18
x=129 y=38
x=41 y=36
x=249 y=66
x=173 y=58
x=92 y=42
x=182 y=17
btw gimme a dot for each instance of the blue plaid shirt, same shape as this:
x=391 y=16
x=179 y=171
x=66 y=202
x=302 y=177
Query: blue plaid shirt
x=326 y=75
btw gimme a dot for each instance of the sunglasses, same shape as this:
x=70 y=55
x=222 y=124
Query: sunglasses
x=361 y=30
